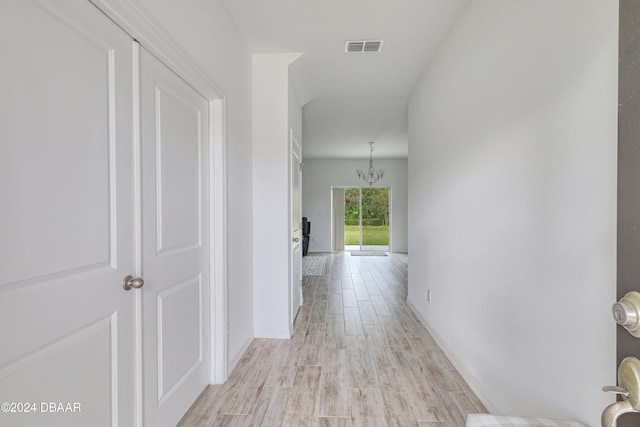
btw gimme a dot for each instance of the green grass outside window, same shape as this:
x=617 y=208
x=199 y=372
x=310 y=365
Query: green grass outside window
x=371 y=235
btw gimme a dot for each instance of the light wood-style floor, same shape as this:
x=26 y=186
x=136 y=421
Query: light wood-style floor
x=358 y=357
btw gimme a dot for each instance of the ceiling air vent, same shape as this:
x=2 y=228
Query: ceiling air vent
x=362 y=46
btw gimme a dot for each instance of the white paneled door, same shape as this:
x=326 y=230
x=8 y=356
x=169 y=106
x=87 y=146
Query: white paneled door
x=82 y=206
x=175 y=243
x=66 y=217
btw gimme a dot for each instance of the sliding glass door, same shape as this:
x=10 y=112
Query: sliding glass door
x=366 y=218
x=375 y=219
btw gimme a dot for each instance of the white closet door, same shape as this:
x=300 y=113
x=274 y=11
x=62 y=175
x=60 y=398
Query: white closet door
x=175 y=216
x=66 y=216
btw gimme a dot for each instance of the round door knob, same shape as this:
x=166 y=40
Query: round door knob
x=626 y=313
x=129 y=282
x=296 y=240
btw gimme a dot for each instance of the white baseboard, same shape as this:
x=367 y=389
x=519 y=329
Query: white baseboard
x=236 y=358
x=470 y=379
x=281 y=334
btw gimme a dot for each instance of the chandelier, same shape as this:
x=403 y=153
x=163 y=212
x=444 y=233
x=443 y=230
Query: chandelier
x=371 y=175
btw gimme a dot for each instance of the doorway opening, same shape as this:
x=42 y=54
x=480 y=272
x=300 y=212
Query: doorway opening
x=362 y=219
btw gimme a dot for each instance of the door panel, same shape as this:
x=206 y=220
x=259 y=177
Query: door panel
x=352 y=204
x=174 y=145
x=74 y=194
x=178 y=156
x=67 y=214
x=375 y=218
x=338 y=219
x=179 y=332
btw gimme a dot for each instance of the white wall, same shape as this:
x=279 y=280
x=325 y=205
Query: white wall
x=512 y=201
x=318 y=176
x=295 y=112
x=206 y=33
x=271 y=240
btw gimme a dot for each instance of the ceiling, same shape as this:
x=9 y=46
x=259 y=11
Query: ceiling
x=350 y=99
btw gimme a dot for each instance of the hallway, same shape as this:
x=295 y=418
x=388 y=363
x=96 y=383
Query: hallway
x=358 y=357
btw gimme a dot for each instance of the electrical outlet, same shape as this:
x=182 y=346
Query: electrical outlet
x=429 y=296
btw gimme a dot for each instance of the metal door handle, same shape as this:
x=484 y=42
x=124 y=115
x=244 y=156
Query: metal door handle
x=626 y=312
x=129 y=282
x=296 y=240
x=628 y=388
x=617 y=390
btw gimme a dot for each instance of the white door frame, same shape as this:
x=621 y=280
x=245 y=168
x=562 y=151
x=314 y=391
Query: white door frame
x=130 y=18
x=295 y=230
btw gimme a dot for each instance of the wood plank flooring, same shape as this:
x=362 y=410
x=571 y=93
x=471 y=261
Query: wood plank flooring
x=358 y=357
